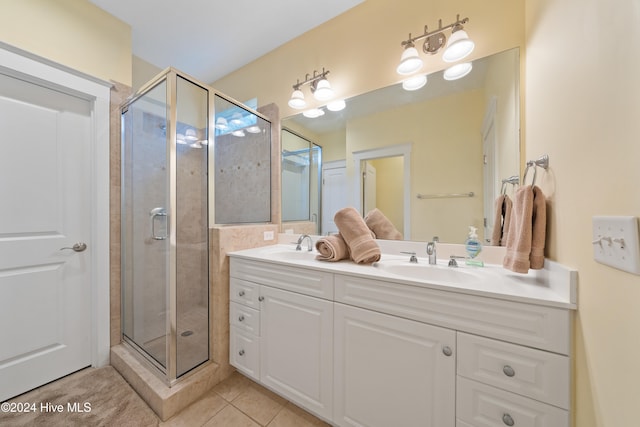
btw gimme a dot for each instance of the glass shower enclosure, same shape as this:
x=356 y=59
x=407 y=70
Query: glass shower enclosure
x=164 y=218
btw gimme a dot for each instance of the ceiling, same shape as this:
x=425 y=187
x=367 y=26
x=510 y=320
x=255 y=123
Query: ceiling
x=209 y=39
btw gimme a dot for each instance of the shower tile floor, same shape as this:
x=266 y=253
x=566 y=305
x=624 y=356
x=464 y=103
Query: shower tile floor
x=192 y=340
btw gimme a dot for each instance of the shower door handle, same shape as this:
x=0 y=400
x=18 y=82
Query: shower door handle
x=154 y=214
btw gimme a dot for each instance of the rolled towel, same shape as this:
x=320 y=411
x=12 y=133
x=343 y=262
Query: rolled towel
x=362 y=247
x=332 y=248
x=381 y=226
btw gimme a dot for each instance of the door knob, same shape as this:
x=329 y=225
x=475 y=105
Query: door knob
x=78 y=247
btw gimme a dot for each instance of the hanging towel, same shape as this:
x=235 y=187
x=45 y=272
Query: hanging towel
x=503 y=207
x=539 y=229
x=527 y=231
x=362 y=247
x=381 y=226
x=332 y=248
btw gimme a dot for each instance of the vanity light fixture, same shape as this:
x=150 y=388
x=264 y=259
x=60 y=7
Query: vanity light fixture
x=313 y=113
x=337 y=105
x=458 y=47
x=319 y=86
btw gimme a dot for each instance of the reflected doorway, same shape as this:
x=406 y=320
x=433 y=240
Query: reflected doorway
x=392 y=189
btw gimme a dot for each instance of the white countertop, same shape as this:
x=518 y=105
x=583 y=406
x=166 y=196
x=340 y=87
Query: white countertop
x=553 y=286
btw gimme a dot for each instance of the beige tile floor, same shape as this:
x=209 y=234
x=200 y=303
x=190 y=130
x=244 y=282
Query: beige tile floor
x=240 y=402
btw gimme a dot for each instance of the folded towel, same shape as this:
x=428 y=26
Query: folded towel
x=381 y=226
x=362 y=247
x=528 y=225
x=332 y=248
x=503 y=207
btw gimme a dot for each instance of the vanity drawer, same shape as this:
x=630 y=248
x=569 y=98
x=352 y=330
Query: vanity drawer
x=244 y=352
x=244 y=318
x=537 y=326
x=306 y=281
x=480 y=405
x=244 y=292
x=533 y=373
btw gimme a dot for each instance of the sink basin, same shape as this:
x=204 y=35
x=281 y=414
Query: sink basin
x=289 y=253
x=429 y=273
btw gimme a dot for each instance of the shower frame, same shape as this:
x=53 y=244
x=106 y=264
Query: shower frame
x=169 y=373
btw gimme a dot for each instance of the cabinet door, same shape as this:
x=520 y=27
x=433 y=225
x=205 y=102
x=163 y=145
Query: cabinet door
x=391 y=371
x=296 y=348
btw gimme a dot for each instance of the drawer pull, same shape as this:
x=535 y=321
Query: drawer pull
x=508 y=420
x=241 y=353
x=508 y=371
x=241 y=318
x=241 y=293
x=260 y=298
x=447 y=350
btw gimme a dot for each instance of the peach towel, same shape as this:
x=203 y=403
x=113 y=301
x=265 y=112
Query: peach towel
x=527 y=231
x=362 y=247
x=501 y=221
x=332 y=248
x=381 y=226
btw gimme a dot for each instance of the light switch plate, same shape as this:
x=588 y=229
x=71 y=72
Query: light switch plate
x=616 y=242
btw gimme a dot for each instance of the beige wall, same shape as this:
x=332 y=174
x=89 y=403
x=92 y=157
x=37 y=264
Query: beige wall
x=583 y=104
x=74 y=33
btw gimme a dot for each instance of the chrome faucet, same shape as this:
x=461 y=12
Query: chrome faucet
x=431 y=251
x=301 y=239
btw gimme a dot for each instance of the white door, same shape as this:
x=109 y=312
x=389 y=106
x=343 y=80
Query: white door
x=334 y=196
x=45 y=290
x=369 y=181
x=390 y=371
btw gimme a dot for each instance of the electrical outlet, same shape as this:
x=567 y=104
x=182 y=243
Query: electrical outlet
x=268 y=235
x=616 y=242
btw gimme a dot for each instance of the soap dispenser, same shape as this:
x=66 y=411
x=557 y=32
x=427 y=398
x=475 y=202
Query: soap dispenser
x=472 y=245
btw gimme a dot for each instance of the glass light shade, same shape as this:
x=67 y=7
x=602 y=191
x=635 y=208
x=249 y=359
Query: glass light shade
x=410 y=62
x=457 y=71
x=458 y=47
x=180 y=139
x=195 y=144
x=323 y=90
x=236 y=119
x=297 y=100
x=253 y=129
x=337 y=105
x=238 y=133
x=415 y=82
x=221 y=124
x=313 y=113
x=190 y=135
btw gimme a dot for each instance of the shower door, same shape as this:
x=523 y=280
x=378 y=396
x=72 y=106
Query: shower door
x=165 y=292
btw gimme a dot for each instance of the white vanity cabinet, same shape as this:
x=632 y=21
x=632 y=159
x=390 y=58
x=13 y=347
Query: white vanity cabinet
x=281 y=338
x=358 y=348
x=390 y=371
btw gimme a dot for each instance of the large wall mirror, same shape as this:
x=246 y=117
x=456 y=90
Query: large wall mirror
x=432 y=160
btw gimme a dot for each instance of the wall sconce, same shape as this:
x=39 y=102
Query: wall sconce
x=458 y=47
x=319 y=87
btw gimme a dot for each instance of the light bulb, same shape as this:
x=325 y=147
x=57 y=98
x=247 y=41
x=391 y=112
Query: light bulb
x=336 y=105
